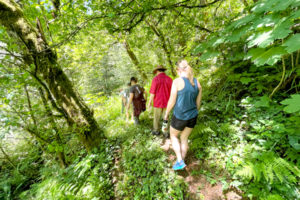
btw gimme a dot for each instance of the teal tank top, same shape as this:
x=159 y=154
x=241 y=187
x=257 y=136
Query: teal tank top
x=186 y=107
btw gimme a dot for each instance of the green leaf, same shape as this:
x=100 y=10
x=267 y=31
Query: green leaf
x=263 y=102
x=292 y=104
x=263 y=6
x=200 y=48
x=254 y=53
x=292 y=44
x=245 y=80
x=282 y=29
x=237 y=34
x=209 y=55
x=261 y=39
x=269 y=57
x=217 y=42
x=238 y=23
x=296 y=3
x=281 y=5
x=294 y=141
x=266 y=21
x=295 y=15
x=272 y=5
x=265 y=37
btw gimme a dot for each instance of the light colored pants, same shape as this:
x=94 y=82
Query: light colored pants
x=158 y=114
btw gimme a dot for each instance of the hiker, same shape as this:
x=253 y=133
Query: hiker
x=185 y=97
x=159 y=94
x=123 y=98
x=137 y=99
x=126 y=95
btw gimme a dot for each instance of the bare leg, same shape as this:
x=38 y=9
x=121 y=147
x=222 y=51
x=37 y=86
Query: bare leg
x=175 y=142
x=131 y=109
x=184 y=141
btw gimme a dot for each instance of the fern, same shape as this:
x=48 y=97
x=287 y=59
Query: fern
x=270 y=166
x=273 y=197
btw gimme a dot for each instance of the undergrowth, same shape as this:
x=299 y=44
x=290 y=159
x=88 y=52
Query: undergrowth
x=248 y=134
x=88 y=177
x=143 y=169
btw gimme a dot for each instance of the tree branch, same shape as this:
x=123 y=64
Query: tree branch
x=181 y=5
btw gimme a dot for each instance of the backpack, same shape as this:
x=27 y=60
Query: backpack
x=138 y=97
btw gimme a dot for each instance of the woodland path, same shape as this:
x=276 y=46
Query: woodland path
x=199 y=186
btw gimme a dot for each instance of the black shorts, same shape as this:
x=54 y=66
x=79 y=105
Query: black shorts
x=179 y=124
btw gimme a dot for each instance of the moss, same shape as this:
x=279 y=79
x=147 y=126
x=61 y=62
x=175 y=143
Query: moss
x=57 y=81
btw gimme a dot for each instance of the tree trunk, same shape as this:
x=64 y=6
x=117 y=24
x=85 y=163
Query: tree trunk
x=135 y=60
x=46 y=66
x=8 y=158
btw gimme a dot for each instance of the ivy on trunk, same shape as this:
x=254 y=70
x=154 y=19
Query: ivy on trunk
x=44 y=60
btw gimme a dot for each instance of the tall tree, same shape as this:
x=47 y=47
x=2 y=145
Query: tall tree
x=135 y=60
x=44 y=60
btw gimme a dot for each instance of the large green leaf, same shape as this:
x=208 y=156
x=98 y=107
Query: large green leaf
x=264 y=6
x=237 y=34
x=254 y=53
x=294 y=141
x=282 y=29
x=292 y=104
x=270 y=57
x=295 y=15
x=267 y=35
x=273 y=5
x=281 y=5
x=263 y=102
x=266 y=21
x=245 y=80
x=200 y=48
x=296 y=3
x=215 y=41
x=209 y=55
x=293 y=43
x=242 y=21
x=261 y=39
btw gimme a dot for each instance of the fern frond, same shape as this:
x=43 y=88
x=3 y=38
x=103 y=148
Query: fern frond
x=258 y=169
x=247 y=171
x=269 y=176
x=273 y=197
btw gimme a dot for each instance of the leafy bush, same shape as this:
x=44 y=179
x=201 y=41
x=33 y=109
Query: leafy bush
x=88 y=177
x=146 y=173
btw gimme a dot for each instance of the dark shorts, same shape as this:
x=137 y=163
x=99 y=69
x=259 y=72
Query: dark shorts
x=179 y=124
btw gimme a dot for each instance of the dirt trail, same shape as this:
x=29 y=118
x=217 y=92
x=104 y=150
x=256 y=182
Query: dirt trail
x=199 y=187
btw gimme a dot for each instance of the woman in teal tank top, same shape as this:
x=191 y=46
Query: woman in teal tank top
x=185 y=98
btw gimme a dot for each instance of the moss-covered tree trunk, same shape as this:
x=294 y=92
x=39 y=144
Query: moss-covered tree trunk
x=46 y=67
x=135 y=60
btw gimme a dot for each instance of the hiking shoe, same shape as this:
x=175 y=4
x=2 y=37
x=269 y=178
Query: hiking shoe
x=179 y=165
x=155 y=133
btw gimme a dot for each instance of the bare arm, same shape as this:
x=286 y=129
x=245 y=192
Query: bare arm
x=130 y=101
x=199 y=97
x=146 y=95
x=172 y=99
x=123 y=100
x=150 y=100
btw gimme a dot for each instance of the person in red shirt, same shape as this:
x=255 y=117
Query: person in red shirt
x=159 y=94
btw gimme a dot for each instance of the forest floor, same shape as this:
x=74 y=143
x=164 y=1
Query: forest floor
x=198 y=185
x=202 y=181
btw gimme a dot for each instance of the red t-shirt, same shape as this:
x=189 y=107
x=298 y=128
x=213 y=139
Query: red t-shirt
x=161 y=88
